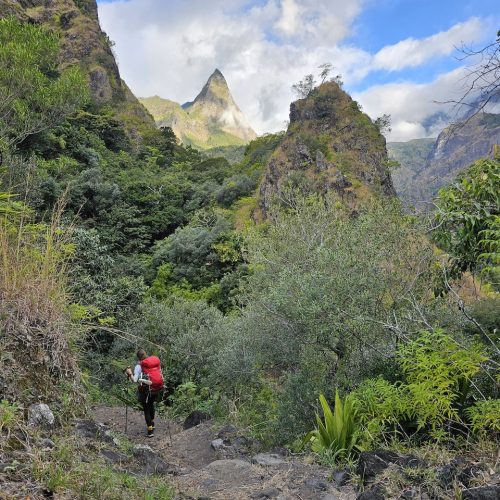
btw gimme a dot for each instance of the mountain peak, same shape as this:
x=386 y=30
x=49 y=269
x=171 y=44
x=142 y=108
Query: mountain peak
x=212 y=119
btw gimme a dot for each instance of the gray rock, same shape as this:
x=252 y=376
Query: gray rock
x=317 y=484
x=195 y=418
x=93 y=430
x=491 y=492
x=372 y=463
x=377 y=492
x=231 y=471
x=261 y=495
x=150 y=461
x=113 y=457
x=329 y=496
x=217 y=444
x=267 y=459
x=40 y=415
x=341 y=477
x=227 y=432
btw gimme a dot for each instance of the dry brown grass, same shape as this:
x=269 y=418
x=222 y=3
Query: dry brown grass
x=36 y=336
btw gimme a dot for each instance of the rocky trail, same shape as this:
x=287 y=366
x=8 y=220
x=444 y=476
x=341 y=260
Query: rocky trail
x=209 y=462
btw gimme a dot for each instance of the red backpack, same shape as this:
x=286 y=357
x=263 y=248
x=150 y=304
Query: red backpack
x=151 y=367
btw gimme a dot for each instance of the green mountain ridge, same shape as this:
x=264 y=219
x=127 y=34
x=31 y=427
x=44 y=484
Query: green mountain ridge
x=213 y=119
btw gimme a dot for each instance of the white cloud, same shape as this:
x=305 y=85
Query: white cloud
x=416 y=109
x=170 y=47
x=412 y=52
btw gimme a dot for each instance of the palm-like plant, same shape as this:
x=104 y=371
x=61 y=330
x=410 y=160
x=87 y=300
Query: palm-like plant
x=338 y=432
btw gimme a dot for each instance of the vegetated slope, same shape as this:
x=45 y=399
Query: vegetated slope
x=84 y=43
x=456 y=147
x=213 y=119
x=329 y=145
x=412 y=157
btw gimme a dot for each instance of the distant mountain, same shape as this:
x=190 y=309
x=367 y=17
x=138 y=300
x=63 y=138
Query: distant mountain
x=425 y=168
x=330 y=145
x=213 y=119
x=85 y=44
x=412 y=157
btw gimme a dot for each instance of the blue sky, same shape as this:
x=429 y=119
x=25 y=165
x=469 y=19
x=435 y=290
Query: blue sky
x=395 y=56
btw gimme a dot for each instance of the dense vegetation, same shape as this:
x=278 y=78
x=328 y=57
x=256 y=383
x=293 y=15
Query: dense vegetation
x=106 y=246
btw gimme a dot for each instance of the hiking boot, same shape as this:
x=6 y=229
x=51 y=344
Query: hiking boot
x=151 y=431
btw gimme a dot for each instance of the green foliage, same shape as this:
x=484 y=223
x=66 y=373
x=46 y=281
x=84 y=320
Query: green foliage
x=381 y=407
x=439 y=371
x=34 y=95
x=468 y=220
x=337 y=434
x=485 y=415
x=10 y=415
x=189 y=397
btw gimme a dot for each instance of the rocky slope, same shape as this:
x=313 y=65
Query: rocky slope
x=213 y=119
x=456 y=148
x=412 y=158
x=84 y=43
x=330 y=145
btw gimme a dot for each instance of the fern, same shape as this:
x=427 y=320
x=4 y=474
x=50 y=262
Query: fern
x=439 y=373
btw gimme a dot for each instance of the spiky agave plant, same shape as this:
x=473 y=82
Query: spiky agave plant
x=337 y=433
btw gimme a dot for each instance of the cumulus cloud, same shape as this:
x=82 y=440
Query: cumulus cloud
x=263 y=47
x=412 y=52
x=417 y=110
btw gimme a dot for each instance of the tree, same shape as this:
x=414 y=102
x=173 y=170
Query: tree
x=304 y=87
x=383 y=123
x=326 y=69
x=482 y=81
x=34 y=95
x=468 y=219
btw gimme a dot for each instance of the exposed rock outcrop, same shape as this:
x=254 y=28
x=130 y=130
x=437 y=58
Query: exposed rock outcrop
x=84 y=43
x=330 y=145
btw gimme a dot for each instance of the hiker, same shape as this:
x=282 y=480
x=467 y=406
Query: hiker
x=147 y=374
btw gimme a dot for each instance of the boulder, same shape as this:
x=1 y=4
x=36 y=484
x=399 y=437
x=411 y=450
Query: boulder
x=227 y=432
x=113 y=457
x=267 y=459
x=491 y=492
x=217 y=444
x=377 y=492
x=341 y=477
x=195 y=418
x=150 y=461
x=371 y=464
x=40 y=415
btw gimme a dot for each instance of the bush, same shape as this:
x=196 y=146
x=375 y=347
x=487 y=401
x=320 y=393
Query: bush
x=338 y=432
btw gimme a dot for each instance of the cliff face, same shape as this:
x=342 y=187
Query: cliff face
x=329 y=145
x=412 y=157
x=84 y=43
x=213 y=119
x=456 y=147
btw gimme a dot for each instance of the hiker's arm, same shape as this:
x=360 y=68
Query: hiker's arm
x=137 y=373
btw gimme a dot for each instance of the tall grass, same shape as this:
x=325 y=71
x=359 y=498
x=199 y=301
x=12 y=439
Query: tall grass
x=36 y=335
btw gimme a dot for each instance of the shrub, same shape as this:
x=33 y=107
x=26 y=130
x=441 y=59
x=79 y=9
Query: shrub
x=439 y=372
x=485 y=415
x=338 y=433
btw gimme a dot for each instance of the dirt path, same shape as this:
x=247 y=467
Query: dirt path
x=232 y=470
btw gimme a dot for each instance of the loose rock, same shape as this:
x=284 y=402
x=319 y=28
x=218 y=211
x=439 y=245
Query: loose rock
x=482 y=493
x=40 y=415
x=195 y=418
x=267 y=459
